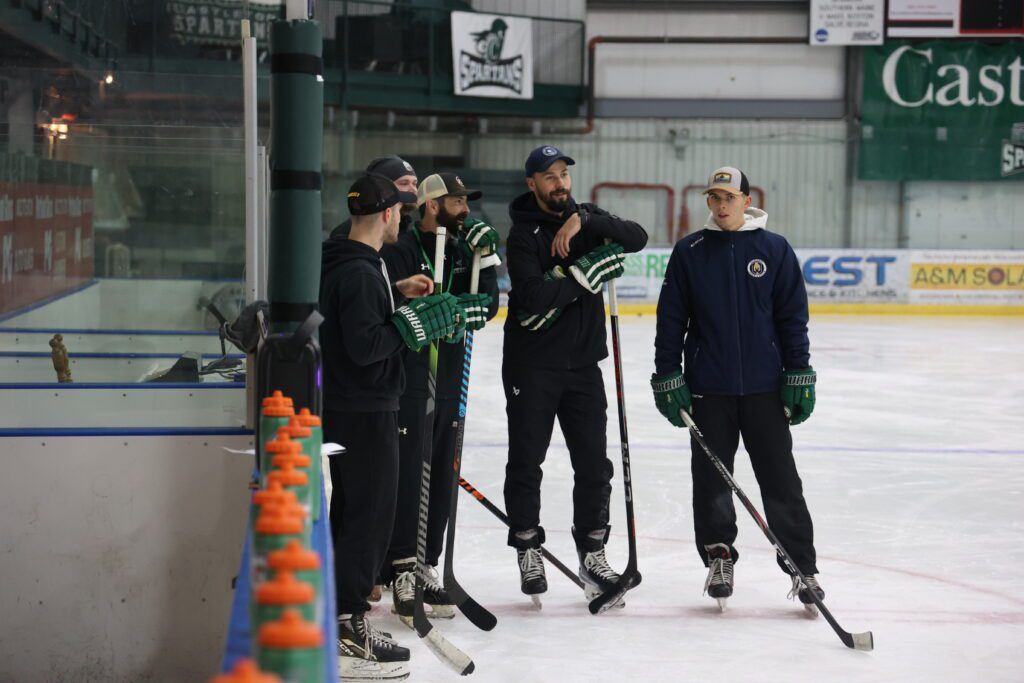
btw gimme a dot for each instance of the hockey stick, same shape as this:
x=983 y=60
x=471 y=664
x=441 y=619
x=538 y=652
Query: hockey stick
x=496 y=511
x=630 y=578
x=438 y=644
x=474 y=611
x=857 y=641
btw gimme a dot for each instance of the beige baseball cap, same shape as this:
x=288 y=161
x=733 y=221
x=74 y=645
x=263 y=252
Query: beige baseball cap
x=729 y=179
x=443 y=185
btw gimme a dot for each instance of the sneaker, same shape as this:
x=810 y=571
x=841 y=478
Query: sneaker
x=720 y=565
x=595 y=572
x=365 y=654
x=532 y=579
x=802 y=589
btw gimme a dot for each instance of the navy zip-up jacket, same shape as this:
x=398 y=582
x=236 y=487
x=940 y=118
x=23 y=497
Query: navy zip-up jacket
x=733 y=306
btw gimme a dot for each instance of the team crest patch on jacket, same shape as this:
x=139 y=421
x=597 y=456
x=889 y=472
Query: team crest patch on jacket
x=757 y=268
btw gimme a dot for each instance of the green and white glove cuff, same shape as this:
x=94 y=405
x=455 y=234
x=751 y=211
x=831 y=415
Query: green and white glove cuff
x=591 y=273
x=800 y=378
x=669 y=382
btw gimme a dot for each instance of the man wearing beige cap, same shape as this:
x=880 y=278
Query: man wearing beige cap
x=442 y=199
x=732 y=350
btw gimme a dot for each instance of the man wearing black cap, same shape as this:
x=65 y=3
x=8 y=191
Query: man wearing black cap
x=443 y=200
x=363 y=338
x=402 y=174
x=559 y=255
x=733 y=310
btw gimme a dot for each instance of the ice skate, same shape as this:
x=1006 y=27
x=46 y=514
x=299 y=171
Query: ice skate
x=720 y=565
x=366 y=654
x=532 y=579
x=436 y=603
x=803 y=591
x=595 y=573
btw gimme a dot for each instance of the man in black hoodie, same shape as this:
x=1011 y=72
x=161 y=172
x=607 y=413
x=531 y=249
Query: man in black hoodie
x=443 y=200
x=559 y=255
x=363 y=338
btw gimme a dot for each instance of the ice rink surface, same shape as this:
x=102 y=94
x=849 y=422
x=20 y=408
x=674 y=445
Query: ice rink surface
x=913 y=469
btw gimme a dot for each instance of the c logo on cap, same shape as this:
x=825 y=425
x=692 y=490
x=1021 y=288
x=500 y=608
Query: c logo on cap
x=353 y=194
x=549 y=151
x=408 y=166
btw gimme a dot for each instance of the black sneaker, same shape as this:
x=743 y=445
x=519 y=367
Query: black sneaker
x=720 y=565
x=364 y=653
x=803 y=591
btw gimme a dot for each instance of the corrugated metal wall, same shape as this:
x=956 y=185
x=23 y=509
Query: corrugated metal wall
x=800 y=166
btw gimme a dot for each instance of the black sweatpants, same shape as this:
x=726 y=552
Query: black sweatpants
x=760 y=420
x=365 y=481
x=533 y=398
x=411 y=445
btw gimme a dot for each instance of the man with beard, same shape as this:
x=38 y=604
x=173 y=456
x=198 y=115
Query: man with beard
x=402 y=174
x=559 y=255
x=443 y=200
x=363 y=338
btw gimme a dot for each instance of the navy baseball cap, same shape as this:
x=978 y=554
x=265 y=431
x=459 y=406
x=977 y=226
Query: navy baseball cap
x=542 y=157
x=372 y=194
x=391 y=166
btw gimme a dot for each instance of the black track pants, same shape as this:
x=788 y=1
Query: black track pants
x=411 y=442
x=365 y=481
x=759 y=419
x=533 y=398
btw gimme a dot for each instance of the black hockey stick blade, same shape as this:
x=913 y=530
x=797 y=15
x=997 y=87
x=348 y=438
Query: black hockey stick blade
x=476 y=613
x=605 y=601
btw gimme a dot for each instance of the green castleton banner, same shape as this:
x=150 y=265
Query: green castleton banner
x=943 y=110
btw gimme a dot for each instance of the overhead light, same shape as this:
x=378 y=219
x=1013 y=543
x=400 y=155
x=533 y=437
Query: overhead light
x=109 y=79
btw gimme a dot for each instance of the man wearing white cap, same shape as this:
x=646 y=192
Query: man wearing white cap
x=442 y=199
x=732 y=350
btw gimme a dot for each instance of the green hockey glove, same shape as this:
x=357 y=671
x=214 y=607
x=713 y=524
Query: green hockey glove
x=427 y=318
x=670 y=395
x=481 y=236
x=798 y=394
x=475 y=306
x=542 y=321
x=598 y=266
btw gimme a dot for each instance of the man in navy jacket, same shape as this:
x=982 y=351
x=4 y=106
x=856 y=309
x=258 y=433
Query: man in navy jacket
x=733 y=309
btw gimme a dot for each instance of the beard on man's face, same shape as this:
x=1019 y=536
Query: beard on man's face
x=451 y=222
x=556 y=200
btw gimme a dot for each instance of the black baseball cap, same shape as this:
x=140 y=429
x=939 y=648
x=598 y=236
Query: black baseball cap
x=542 y=157
x=391 y=167
x=444 y=185
x=372 y=194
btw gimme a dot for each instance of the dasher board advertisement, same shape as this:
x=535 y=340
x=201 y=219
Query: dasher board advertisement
x=954 y=18
x=847 y=22
x=493 y=55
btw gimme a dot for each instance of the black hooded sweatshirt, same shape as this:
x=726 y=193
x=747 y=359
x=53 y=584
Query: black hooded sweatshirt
x=362 y=349
x=410 y=256
x=577 y=338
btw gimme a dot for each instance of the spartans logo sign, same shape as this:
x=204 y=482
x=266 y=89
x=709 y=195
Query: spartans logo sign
x=1013 y=151
x=493 y=55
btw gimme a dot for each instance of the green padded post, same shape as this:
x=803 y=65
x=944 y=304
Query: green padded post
x=296 y=125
